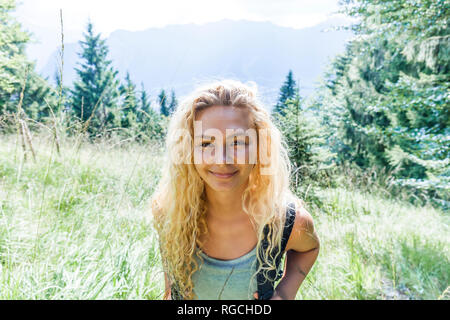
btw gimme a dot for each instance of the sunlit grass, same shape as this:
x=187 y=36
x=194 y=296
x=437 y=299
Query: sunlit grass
x=373 y=248
x=78 y=226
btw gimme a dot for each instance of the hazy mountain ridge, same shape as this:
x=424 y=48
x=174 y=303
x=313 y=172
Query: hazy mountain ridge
x=180 y=56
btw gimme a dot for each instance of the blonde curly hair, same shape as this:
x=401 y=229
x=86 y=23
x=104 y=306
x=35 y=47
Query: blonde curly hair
x=179 y=204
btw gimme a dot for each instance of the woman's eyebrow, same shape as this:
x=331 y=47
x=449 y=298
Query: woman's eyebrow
x=231 y=135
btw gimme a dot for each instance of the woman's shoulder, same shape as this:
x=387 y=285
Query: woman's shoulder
x=303 y=236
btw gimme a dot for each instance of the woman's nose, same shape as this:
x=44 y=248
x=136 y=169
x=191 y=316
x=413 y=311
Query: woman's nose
x=226 y=155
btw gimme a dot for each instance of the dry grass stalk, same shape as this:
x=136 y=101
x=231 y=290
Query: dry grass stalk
x=26 y=133
x=54 y=129
x=88 y=121
x=18 y=116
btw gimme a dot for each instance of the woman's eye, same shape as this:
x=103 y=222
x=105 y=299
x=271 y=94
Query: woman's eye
x=234 y=143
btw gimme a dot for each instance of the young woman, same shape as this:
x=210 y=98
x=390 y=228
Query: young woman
x=221 y=206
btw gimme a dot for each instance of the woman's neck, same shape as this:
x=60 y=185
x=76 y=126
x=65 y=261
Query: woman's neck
x=225 y=205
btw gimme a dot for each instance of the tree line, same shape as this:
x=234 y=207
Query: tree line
x=97 y=101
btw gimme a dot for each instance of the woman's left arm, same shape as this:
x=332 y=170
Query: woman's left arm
x=302 y=250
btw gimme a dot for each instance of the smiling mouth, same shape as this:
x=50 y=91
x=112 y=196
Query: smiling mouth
x=223 y=175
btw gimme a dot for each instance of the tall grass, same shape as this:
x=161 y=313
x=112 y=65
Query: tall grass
x=377 y=248
x=76 y=226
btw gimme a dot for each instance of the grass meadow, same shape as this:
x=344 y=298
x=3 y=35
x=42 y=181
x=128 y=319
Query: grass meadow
x=77 y=225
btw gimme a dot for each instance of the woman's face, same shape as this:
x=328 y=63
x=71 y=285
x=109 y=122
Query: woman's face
x=223 y=163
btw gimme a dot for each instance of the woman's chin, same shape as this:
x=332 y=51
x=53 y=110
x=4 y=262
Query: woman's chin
x=223 y=185
x=220 y=187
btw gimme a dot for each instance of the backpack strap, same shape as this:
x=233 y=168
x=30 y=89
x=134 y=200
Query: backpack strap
x=174 y=294
x=266 y=286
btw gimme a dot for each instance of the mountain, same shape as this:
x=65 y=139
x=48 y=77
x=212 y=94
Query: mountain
x=180 y=56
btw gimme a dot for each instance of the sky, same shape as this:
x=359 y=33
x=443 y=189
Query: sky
x=42 y=17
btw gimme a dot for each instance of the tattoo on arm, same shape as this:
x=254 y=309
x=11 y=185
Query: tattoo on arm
x=301 y=271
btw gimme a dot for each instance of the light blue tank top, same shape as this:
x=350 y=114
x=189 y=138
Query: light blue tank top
x=226 y=279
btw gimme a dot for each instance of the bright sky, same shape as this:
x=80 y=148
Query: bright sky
x=42 y=16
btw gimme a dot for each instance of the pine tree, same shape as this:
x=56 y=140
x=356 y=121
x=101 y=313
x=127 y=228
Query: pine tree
x=95 y=93
x=17 y=73
x=173 y=102
x=305 y=139
x=144 y=105
x=289 y=90
x=153 y=125
x=163 y=103
x=404 y=85
x=386 y=97
x=129 y=108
